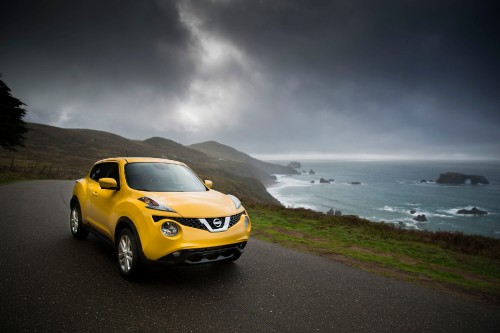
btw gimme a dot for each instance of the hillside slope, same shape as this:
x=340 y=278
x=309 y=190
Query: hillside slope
x=53 y=152
x=224 y=152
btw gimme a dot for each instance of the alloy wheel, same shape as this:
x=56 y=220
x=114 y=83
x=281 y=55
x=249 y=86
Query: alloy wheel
x=74 y=220
x=125 y=254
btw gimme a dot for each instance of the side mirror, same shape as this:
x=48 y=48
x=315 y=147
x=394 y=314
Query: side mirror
x=108 y=184
x=208 y=183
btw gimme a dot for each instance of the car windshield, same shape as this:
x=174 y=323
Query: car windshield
x=162 y=177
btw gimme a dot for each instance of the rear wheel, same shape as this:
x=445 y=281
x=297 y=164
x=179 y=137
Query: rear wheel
x=129 y=263
x=75 y=222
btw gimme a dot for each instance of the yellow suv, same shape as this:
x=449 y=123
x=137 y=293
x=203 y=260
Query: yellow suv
x=157 y=211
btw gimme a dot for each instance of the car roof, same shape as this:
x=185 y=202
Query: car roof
x=139 y=159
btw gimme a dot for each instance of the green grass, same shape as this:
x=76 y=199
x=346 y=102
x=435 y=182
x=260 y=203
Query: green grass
x=463 y=264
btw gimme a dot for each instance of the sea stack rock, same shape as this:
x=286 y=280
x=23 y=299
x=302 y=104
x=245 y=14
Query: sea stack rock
x=473 y=211
x=311 y=172
x=420 y=218
x=355 y=183
x=455 y=178
x=324 y=181
x=295 y=165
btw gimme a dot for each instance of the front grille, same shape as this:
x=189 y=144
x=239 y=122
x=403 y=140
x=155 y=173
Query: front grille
x=195 y=223
x=234 y=219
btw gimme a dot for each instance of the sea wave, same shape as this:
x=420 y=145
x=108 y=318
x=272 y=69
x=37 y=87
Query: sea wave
x=416 y=182
x=405 y=222
x=418 y=211
x=287 y=181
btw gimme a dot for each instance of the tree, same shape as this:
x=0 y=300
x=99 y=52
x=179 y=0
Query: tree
x=12 y=125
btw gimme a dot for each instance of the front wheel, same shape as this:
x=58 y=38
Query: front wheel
x=75 y=223
x=129 y=263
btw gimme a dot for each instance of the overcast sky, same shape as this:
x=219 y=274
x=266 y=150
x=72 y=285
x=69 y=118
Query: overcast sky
x=271 y=78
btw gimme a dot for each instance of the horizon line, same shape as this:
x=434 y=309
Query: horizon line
x=373 y=157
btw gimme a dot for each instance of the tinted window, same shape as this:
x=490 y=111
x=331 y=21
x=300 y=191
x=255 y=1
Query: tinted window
x=162 y=177
x=105 y=170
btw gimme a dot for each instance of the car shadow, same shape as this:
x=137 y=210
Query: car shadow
x=210 y=273
x=94 y=252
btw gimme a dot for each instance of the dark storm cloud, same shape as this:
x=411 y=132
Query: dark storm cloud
x=325 y=77
x=113 y=40
x=425 y=69
x=80 y=61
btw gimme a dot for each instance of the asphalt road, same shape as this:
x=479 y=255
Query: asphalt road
x=52 y=282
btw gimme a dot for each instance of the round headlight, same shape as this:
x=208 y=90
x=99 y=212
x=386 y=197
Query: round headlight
x=169 y=229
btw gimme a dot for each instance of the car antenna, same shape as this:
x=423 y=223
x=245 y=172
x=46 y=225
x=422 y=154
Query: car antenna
x=126 y=152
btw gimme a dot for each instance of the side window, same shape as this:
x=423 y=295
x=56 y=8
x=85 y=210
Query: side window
x=112 y=172
x=97 y=171
x=105 y=170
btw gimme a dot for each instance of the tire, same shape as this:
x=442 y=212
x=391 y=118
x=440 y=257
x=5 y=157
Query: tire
x=75 y=222
x=127 y=255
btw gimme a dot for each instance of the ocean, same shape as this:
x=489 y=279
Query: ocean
x=389 y=191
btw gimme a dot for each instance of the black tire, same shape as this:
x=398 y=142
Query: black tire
x=75 y=222
x=127 y=255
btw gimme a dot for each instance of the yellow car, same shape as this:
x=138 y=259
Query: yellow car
x=157 y=211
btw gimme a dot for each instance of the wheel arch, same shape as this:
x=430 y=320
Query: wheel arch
x=74 y=200
x=126 y=223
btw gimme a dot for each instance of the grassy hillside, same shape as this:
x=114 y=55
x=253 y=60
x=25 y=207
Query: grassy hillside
x=226 y=153
x=59 y=153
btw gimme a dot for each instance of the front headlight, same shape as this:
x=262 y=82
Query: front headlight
x=236 y=201
x=153 y=204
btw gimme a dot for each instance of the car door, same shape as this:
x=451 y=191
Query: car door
x=98 y=170
x=103 y=201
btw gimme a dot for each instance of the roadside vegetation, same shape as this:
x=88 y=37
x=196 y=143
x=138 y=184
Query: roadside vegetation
x=7 y=176
x=465 y=265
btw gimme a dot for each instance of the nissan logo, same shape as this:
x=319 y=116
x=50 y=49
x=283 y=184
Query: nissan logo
x=217 y=223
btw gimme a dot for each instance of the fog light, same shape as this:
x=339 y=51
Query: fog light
x=169 y=229
x=246 y=221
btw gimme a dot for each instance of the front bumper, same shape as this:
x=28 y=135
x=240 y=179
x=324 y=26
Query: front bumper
x=204 y=255
x=194 y=244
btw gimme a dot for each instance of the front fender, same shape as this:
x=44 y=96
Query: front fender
x=79 y=197
x=135 y=212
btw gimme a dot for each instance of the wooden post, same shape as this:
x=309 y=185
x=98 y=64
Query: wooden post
x=12 y=162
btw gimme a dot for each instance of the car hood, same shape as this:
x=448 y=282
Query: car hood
x=197 y=204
